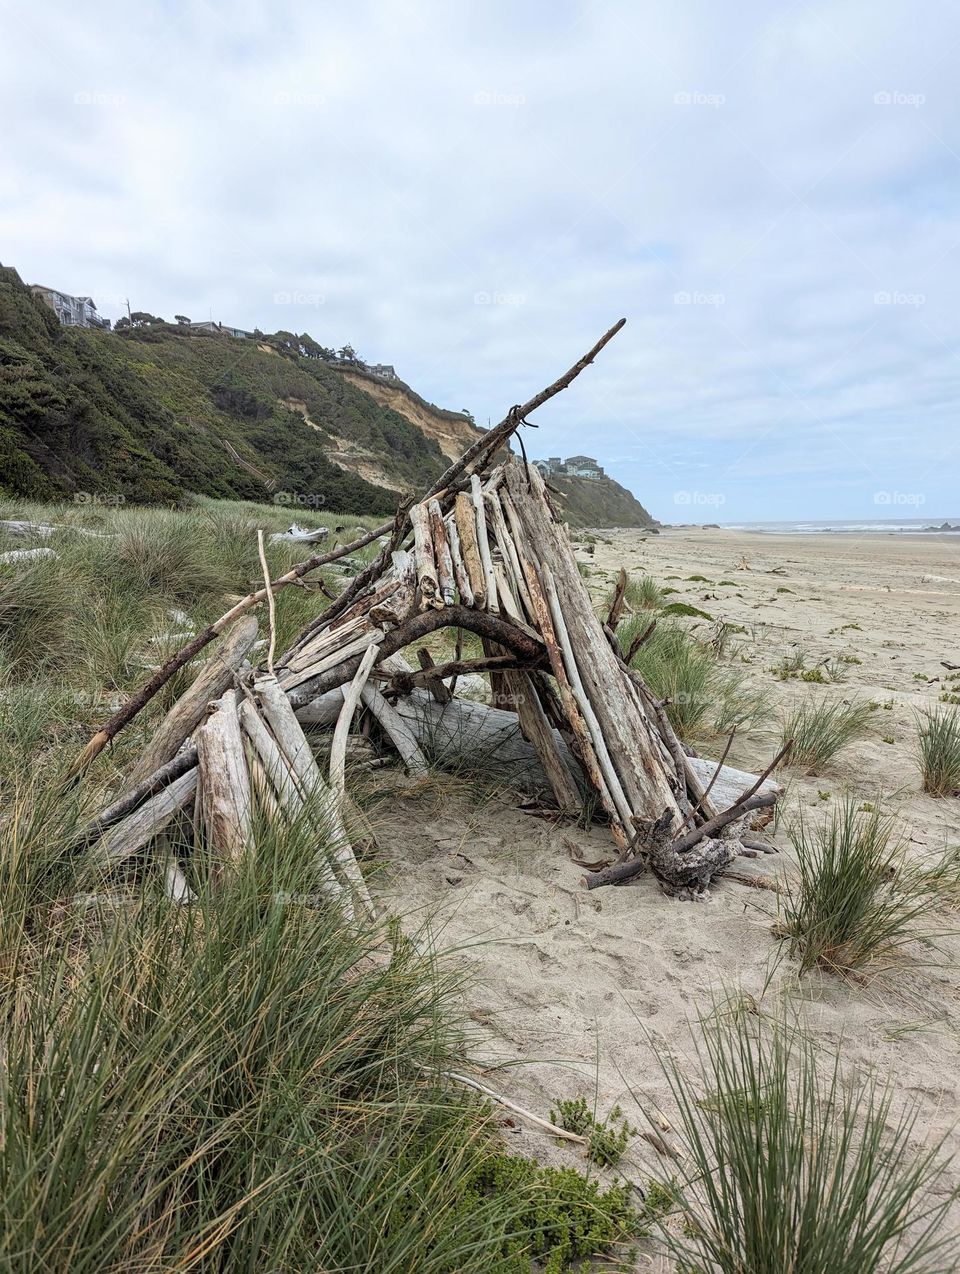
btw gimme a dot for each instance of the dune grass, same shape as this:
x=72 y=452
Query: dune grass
x=249 y=1083
x=821 y=729
x=855 y=903
x=641 y=593
x=703 y=696
x=792 y=1166
x=938 y=751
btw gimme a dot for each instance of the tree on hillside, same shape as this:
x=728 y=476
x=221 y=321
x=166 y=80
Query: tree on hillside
x=181 y=319
x=347 y=354
x=140 y=318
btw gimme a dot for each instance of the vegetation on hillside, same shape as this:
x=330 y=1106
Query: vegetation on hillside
x=156 y=410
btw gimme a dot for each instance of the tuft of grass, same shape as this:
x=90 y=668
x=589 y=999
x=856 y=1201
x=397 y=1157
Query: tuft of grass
x=855 y=902
x=791 y=1166
x=821 y=730
x=938 y=751
x=702 y=695
x=640 y=594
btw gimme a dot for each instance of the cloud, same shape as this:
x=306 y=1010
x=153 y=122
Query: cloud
x=474 y=193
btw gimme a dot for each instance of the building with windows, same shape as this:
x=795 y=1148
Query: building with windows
x=572 y=467
x=221 y=329
x=72 y=311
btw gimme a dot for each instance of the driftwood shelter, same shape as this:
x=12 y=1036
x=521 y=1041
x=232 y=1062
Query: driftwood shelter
x=486 y=551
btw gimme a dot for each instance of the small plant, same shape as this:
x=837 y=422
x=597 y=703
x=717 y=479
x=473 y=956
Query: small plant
x=784 y=589
x=938 y=751
x=855 y=902
x=790 y=665
x=791 y=1167
x=699 y=579
x=820 y=730
x=606 y=1139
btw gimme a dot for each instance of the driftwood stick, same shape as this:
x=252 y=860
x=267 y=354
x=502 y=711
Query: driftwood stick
x=440 y=692
x=298 y=753
x=395 y=728
x=126 y=837
x=511 y=559
x=426 y=562
x=224 y=791
x=338 y=748
x=539 y=733
x=619 y=597
x=164 y=775
x=467 y=528
x=441 y=548
x=459 y=568
x=517 y=1110
x=271 y=608
x=640 y=641
x=110 y=729
x=703 y=804
x=278 y=772
x=491 y=442
x=489 y=583
x=189 y=710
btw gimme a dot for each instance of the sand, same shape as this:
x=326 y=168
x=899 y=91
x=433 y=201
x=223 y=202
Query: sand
x=578 y=993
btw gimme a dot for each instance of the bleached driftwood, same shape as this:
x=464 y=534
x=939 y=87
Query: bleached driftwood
x=146 y=822
x=186 y=714
x=224 y=792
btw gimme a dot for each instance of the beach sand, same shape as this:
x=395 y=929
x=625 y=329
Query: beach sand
x=576 y=993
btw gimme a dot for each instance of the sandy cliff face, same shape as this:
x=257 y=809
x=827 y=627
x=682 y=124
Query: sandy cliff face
x=452 y=431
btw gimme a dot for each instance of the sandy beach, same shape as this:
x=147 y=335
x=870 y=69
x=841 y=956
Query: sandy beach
x=577 y=993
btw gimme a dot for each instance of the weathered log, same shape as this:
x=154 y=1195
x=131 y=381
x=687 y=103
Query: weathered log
x=125 y=804
x=467 y=527
x=131 y=834
x=459 y=566
x=537 y=730
x=426 y=562
x=483 y=542
x=186 y=714
x=441 y=550
x=338 y=748
x=224 y=791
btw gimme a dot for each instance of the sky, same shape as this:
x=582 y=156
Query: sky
x=475 y=191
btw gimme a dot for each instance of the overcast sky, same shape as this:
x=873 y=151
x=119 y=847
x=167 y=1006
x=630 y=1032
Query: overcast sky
x=475 y=191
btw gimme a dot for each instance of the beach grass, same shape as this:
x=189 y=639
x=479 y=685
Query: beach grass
x=792 y=1165
x=856 y=903
x=821 y=729
x=938 y=750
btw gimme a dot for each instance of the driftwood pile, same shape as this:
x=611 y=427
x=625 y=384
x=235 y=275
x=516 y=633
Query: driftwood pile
x=485 y=552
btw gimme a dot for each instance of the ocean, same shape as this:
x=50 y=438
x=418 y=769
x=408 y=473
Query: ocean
x=859 y=526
